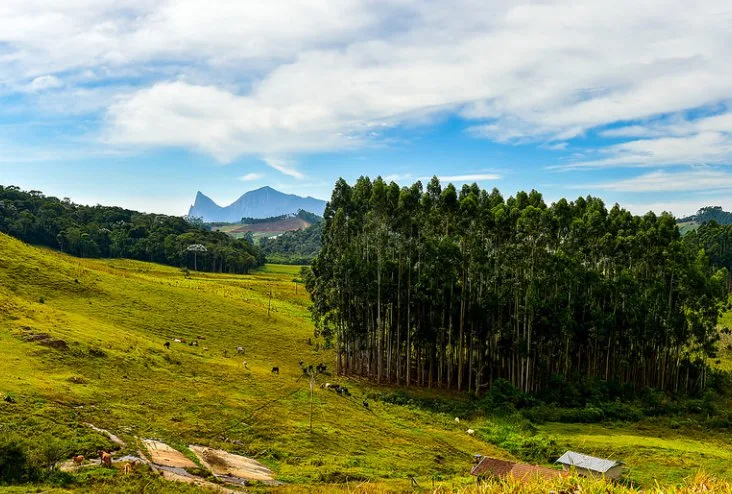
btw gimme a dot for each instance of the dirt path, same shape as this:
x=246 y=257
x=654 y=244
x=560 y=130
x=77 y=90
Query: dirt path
x=232 y=468
x=116 y=440
x=164 y=455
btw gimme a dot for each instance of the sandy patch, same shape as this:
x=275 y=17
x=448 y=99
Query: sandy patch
x=225 y=464
x=162 y=454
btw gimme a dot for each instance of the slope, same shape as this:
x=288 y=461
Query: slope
x=114 y=372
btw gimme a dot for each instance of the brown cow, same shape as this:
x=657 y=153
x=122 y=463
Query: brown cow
x=78 y=460
x=105 y=458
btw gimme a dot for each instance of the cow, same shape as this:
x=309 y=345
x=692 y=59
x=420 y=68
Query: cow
x=457 y=420
x=177 y=340
x=105 y=458
x=245 y=364
x=276 y=370
x=78 y=460
x=167 y=345
x=343 y=391
x=470 y=432
x=240 y=350
x=129 y=466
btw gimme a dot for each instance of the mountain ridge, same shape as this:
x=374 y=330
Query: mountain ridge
x=264 y=202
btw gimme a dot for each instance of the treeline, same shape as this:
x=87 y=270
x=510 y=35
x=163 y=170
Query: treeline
x=716 y=240
x=296 y=247
x=101 y=231
x=457 y=289
x=301 y=213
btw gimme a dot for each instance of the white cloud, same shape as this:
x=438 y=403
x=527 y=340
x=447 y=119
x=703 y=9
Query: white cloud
x=44 y=82
x=284 y=166
x=662 y=181
x=251 y=177
x=233 y=78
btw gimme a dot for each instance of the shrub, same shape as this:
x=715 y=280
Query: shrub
x=14 y=464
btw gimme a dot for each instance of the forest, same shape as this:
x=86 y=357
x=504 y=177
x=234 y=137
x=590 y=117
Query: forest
x=439 y=287
x=716 y=240
x=102 y=231
x=295 y=247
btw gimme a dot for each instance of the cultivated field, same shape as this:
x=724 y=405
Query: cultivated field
x=82 y=341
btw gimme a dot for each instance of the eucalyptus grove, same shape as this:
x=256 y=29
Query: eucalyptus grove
x=444 y=288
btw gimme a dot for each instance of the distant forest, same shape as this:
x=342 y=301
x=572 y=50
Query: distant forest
x=101 y=231
x=296 y=247
x=457 y=289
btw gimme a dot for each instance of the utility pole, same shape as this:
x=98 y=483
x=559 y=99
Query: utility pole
x=269 y=305
x=312 y=386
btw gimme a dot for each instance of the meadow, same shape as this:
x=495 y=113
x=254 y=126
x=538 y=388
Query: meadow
x=111 y=369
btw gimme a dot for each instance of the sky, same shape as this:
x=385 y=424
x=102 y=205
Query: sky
x=141 y=103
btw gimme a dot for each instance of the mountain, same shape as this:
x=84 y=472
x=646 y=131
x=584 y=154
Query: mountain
x=260 y=203
x=704 y=215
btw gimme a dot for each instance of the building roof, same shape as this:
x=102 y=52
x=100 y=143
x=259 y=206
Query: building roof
x=599 y=465
x=519 y=471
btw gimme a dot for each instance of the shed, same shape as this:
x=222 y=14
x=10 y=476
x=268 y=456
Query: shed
x=493 y=467
x=589 y=466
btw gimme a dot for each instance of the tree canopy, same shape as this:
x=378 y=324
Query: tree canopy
x=459 y=288
x=102 y=231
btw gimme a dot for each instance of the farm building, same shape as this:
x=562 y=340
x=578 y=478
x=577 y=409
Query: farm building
x=494 y=468
x=589 y=466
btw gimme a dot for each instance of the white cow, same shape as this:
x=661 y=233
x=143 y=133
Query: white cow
x=470 y=432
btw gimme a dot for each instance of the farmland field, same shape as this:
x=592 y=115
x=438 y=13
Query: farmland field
x=112 y=370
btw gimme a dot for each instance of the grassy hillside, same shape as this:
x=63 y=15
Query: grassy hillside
x=112 y=370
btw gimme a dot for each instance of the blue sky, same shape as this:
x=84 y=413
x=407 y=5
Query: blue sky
x=142 y=103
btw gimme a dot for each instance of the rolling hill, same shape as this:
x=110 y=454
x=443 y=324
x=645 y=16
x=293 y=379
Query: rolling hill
x=705 y=214
x=82 y=341
x=265 y=202
x=267 y=228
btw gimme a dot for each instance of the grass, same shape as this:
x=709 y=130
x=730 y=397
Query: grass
x=115 y=316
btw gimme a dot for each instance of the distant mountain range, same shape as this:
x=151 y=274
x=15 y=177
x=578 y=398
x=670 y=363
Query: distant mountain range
x=260 y=203
x=704 y=215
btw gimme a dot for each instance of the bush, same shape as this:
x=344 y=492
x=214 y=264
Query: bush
x=14 y=464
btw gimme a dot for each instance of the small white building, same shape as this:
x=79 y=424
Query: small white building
x=589 y=466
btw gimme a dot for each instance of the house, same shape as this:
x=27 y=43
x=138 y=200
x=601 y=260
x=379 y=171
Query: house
x=589 y=466
x=492 y=467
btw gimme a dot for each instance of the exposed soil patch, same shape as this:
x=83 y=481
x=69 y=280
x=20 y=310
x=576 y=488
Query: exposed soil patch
x=44 y=339
x=163 y=455
x=232 y=468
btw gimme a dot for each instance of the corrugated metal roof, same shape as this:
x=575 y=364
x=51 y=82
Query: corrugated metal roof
x=570 y=458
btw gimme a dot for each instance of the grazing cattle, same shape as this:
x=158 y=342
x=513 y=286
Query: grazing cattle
x=366 y=405
x=129 y=466
x=301 y=364
x=183 y=340
x=105 y=458
x=245 y=364
x=276 y=370
x=325 y=386
x=177 y=340
x=205 y=349
x=194 y=343
x=78 y=460
x=470 y=432
x=457 y=420
x=167 y=345
x=201 y=337
x=343 y=391
x=240 y=349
